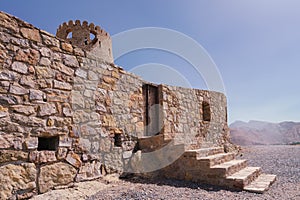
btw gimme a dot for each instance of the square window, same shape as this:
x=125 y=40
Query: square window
x=48 y=143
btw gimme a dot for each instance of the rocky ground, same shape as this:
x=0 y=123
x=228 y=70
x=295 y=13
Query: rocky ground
x=281 y=160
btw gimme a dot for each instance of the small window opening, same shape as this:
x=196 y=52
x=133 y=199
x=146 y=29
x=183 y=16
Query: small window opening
x=44 y=98
x=70 y=35
x=85 y=41
x=206 y=111
x=226 y=115
x=92 y=36
x=48 y=143
x=99 y=43
x=118 y=140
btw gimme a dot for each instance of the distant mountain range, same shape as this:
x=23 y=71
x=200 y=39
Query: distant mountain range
x=259 y=132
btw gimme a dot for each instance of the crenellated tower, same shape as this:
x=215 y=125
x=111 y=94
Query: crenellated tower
x=89 y=37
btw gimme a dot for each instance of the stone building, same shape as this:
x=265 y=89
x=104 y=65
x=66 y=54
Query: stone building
x=68 y=113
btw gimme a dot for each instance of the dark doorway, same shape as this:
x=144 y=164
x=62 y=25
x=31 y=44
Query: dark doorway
x=151 y=98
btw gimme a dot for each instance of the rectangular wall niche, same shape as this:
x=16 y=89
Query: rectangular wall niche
x=48 y=143
x=206 y=111
x=151 y=98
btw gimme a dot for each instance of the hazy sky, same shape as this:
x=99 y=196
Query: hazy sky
x=254 y=43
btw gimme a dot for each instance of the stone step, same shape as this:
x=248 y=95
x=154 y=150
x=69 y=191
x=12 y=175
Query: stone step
x=243 y=177
x=206 y=145
x=150 y=143
x=228 y=168
x=261 y=184
x=216 y=159
x=203 y=152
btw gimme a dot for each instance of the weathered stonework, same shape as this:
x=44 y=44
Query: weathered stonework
x=68 y=113
x=55 y=175
x=17 y=179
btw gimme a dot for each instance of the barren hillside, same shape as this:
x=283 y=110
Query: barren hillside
x=259 y=132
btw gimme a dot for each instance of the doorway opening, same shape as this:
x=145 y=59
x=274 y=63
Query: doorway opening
x=152 y=117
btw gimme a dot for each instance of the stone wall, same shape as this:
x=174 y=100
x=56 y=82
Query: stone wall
x=183 y=117
x=60 y=112
x=67 y=115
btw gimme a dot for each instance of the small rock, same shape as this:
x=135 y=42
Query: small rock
x=19 y=67
x=73 y=159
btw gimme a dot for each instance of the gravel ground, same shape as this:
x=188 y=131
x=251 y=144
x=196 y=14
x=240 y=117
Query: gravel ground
x=284 y=161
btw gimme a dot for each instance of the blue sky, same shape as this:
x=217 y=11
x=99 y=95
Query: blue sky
x=254 y=43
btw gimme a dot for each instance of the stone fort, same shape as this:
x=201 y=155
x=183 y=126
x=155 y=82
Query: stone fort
x=69 y=114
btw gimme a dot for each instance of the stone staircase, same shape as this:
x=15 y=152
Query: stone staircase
x=213 y=166
x=206 y=165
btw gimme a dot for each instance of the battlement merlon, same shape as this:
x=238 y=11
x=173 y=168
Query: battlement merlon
x=89 y=37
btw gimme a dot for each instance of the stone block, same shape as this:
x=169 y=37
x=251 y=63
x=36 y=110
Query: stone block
x=19 y=67
x=67 y=111
x=77 y=100
x=12 y=155
x=46 y=52
x=92 y=76
x=84 y=145
x=51 y=41
x=17 y=178
x=65 y=141
x=81 y=116
x=18 y=89
x=42 y=156
x=62 y=85
x=44 y=72
x=27 y=81
x=10 y=141
x=78 y=52
x=109 y=80
x=4 y=86
x=67 y=47
x=8 y=75
x=3 y=112
x=63 y=68
x=55 y=175
x=47 y=109
x=31 y=34
x=62 y=153
x=29 y=56
x=70 y=61
x=81 y=73
x=31 y=143
x=89 y=170
x=22 y=109
x=45 y=61
x=9 y=23
x=87 y=130
x=74 y=159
